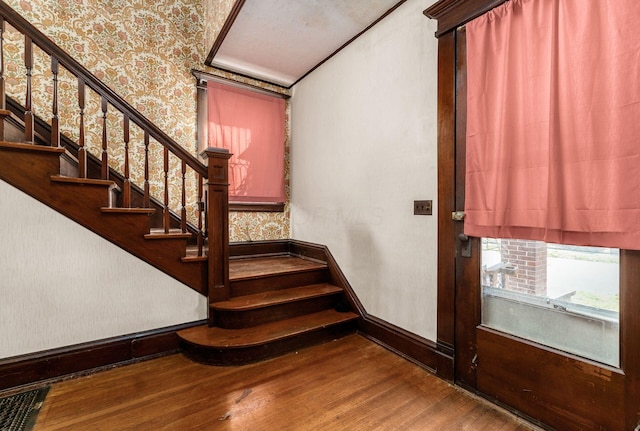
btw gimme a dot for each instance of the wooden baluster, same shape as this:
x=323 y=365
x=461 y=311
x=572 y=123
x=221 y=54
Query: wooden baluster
x=55 y=127
x=28 y=113
x=126 y=185
x=218 y=225
x=82 y=152
x=146 y=200
x=105 y=154
x=200 y=214
x=165 y=210
x=183 y=213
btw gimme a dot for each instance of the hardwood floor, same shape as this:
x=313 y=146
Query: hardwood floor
x=348 y=384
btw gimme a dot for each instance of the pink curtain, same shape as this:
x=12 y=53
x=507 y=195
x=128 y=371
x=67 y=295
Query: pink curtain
x=251 y=126
x=553 y=122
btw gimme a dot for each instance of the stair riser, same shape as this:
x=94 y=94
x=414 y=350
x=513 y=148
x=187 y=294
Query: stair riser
x=253 y=286
x=247 y=355
x=249 y=318
x=29 y=172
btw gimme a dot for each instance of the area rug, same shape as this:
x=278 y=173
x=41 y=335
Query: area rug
x=19 y=412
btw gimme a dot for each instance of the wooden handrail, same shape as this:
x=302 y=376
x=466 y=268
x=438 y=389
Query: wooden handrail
x=49 y=47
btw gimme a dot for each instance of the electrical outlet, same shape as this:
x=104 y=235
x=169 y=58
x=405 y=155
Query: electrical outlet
x=423 y=207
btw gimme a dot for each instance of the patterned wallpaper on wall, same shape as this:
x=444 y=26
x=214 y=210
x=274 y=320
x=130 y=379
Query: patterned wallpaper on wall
x=144 y=50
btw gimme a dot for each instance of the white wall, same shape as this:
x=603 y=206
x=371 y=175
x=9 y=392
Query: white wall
x=363 y=149
x=61 y=284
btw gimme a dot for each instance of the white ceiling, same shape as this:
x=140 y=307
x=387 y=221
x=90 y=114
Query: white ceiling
x=279 y=41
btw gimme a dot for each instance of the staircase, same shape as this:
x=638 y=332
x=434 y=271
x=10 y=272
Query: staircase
x=267 y=299
x=35 y=170
x=278 y=304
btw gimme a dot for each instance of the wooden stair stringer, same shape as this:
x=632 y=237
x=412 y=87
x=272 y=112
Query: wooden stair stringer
x=35 y=171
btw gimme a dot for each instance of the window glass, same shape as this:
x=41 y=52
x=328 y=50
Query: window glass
x=562 y=296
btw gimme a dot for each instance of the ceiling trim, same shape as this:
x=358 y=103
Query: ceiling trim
x=235 y=11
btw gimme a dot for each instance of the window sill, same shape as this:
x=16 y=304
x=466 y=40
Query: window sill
x=256 y=206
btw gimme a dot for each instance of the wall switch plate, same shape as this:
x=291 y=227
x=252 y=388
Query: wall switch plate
x=423 y=207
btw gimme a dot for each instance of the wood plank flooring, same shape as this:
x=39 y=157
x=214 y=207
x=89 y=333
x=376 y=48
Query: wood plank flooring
x=349 y=384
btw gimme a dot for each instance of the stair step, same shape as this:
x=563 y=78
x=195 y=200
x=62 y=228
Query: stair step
x=172 y=234
x=254 y=275
x=17 y=146
x=259 y=335
x=109 y=210
x=275 y=297
x=247 y=269
x=84 y=181
x=192 y=259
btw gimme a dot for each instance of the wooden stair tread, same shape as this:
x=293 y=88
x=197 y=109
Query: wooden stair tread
x=30 y=147
x=147 y=211
x=212 y=337
x=83 y=181
x=246 y=269
x=275 y=297
x=172 y=234
x=194 y=258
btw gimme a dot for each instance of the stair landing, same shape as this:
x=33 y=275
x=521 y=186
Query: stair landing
x=252 y=268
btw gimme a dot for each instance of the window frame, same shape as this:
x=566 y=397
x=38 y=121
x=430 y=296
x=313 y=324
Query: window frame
x=203 y=132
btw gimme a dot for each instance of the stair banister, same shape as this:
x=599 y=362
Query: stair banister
x=215 y=173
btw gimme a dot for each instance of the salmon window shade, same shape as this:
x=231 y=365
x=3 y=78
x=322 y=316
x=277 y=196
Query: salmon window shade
x=252 y=127
x=553 y=122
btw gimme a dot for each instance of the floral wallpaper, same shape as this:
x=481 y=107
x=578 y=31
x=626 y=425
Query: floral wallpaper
x=144 y=50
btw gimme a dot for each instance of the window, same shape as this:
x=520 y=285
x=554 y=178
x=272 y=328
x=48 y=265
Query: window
x=566 y=297
x=251 y=125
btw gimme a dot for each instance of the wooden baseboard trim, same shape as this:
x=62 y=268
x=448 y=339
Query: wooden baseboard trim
x=57 y=364
x=410 y=346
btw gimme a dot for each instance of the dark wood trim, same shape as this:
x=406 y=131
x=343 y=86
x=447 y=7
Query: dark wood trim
x=446 y=190
x=89 y=357
x=235 y=11
x=276 y=207
x=453 y=13
x=73 y=66
x=410 y=346
x=384 y=15
x=218 y=225
x=629 y=334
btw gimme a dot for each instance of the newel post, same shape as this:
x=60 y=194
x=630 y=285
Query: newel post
x=218 y=224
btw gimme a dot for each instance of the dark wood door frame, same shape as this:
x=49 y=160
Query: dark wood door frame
x=461 y=333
